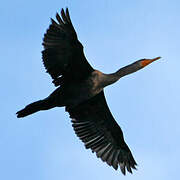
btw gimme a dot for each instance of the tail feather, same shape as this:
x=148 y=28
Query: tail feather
x=34 y=107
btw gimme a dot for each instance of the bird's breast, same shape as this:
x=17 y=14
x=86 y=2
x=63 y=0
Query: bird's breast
x=80 y=92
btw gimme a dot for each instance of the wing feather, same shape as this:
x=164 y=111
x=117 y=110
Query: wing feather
x=63 y=55
x=95 y=126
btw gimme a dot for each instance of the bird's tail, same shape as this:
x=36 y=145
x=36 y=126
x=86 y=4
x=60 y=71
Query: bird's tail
x=35 y=107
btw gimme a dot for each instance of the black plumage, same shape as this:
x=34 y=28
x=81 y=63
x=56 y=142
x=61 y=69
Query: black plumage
x=94 y=124
x=80 y=90
x=63 y=54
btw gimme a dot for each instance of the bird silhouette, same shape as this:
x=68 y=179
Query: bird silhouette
x=80 y=91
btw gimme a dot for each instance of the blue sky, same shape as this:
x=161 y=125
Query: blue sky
x=145 y=104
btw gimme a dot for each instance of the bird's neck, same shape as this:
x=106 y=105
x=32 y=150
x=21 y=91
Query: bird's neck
x=113 y=77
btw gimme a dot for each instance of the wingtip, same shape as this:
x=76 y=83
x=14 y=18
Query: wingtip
x=67 y=11
x=122 y=167
x=127 y=166
x=53 y=21
x=57 y=14
x=129 y=169
x=62 y=11
x=59 y=18
x=134 y=167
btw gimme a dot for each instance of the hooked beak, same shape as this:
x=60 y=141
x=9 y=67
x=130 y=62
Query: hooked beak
x=145 y=62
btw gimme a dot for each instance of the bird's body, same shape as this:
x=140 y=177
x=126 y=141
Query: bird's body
x=80 y=90
x=72 y=94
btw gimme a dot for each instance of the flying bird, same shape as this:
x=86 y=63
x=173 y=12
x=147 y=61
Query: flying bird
x=80 y=91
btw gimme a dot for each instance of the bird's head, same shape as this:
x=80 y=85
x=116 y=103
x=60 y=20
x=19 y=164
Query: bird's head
x=144 y=62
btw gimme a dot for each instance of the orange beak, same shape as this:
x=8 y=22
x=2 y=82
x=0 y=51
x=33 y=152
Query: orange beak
x=145 y=62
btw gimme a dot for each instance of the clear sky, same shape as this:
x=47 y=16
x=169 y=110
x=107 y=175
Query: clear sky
x=145 y=104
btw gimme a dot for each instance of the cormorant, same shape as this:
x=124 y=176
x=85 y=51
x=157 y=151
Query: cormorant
x=80 y=90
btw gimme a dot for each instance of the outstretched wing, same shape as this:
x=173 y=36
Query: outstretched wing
x=94 y=124
x=63 y=55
